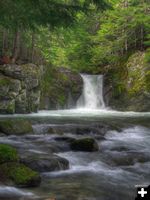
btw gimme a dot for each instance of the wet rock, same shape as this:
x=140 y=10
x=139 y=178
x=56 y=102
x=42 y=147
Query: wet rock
x=53 y=130
x=99 y=129
x=83 y=131
x=15 y=127
x=86 y=144
x=2 y=134
x=19 y=174
x=63 y=143
x=8 y=154
x=90 y=130
x=46 y=164
x=127 y=159
x=65 y=139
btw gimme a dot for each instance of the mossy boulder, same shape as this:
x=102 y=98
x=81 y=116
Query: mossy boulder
x=85 y=144
x=19 y=174
x=8 y=154
x=15 y=127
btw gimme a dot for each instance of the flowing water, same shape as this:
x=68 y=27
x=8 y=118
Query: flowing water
x=92 y=96
x=122 y=162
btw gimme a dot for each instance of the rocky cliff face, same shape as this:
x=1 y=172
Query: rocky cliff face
x=26 y=88
x=19 y=88
x=133 y=91
x=61 y=89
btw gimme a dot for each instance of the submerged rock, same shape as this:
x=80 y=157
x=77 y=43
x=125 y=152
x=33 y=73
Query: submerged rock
x=15 y=127
x=47 y=164
x=85 y=144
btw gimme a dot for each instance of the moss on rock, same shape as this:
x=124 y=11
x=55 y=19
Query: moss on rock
x=16 y=126
x=4 y=81
x=57 y=86
x=8 y=154
x=20 y=174
x=132 y=91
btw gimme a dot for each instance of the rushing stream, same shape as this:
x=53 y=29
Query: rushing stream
x=122 y=162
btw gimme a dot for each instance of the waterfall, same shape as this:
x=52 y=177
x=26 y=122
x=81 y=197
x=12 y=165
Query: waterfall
x=92 y=95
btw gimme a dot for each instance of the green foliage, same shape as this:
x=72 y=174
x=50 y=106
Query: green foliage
x=8 y=154
x=21 y=20
x=30 y=13
x=103 y=39
x=147 y=56
x=147 y=80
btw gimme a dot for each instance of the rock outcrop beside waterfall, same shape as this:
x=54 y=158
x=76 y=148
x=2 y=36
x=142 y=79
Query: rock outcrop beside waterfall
x=129 y=88
x=19 y=88
x=27 y=88
x=61 y=88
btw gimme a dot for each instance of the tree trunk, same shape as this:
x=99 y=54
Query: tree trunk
x=33 y=46
x=135 y=40
x=16 y=47
x=142 y=37
x=126 y=45
x=5 y=42
x=126 y=3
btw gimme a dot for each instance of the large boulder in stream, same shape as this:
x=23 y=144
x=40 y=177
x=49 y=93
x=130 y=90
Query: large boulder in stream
x=46 y=164
x=85 y=144
x=15 y=126
x=13 y=172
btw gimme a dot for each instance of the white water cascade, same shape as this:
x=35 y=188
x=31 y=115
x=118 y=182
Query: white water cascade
x=92 y=96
